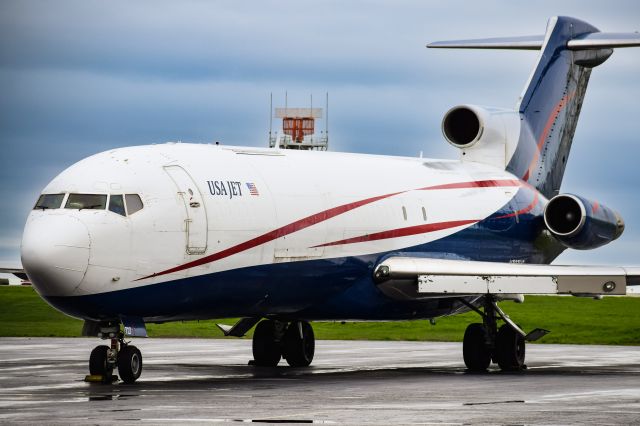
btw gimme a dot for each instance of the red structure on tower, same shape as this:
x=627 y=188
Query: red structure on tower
x=298 y=129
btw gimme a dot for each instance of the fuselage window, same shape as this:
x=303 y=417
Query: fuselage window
x=424 y=214
x=49 y=201
x=134 y=203
x=86 y=202
x=404 y=212
x=116 y=205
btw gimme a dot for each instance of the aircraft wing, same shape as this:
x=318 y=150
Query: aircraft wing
x=415 y=277
x=16 y=270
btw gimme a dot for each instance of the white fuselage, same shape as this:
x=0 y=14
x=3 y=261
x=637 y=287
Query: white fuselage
x=215 y=208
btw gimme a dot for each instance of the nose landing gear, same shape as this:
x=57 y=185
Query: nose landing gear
x=121 y=355
x=293 y=341
x=99 y=364
x=129 y=363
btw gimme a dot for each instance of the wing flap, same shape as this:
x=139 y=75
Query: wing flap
x=474 y=284
x=438 y=276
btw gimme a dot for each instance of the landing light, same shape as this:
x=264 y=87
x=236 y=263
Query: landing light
x=382 y=271
x=609 y=286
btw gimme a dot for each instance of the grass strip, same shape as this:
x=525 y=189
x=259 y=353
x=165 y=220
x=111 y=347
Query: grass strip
x=611 y=321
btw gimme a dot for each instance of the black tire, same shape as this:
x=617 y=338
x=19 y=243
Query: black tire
x=98 y=365
x=299 y=351
x=129 y=363
x=510 y=349
x=266 y=348
x=476 y=349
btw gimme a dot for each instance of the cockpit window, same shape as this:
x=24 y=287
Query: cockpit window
x=134 y=203
x=49 y=201
x=86 y=202
x=116 y=205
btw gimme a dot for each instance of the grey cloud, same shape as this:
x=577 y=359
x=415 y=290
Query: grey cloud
x=78 y=77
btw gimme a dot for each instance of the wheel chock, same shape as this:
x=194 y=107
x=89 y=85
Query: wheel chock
x=98 y=378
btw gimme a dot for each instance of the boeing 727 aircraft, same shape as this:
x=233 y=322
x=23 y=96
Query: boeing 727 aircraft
x=177 y=232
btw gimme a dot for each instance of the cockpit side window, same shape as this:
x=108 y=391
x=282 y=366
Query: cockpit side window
x=86 y=202
x=116 y=204
x=134 y=203
x=49 y=201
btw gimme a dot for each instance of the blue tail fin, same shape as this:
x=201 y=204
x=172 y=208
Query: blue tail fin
x=551 y=102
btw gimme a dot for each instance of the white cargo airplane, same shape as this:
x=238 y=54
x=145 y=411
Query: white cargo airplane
x=174 y=232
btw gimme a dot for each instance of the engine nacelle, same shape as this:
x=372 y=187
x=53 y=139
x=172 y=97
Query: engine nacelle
x=483 y=134
x=581 y=224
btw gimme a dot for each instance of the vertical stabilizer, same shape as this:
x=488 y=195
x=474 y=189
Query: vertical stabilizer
x=550 y=104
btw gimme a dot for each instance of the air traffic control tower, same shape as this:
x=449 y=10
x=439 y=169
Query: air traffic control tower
x=299 y=129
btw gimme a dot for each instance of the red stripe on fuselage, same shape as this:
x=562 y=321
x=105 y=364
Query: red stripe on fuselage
x=536 y=199
x=476 y=184
x=401 y=232
x=320 y=217
x=276 y=233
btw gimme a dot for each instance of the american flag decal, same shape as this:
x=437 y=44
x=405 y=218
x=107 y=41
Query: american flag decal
x=252 y=188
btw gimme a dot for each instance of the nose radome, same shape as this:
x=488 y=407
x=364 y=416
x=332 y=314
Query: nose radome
x=55 y=253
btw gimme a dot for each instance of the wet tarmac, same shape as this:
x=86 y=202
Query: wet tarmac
x=189 y=381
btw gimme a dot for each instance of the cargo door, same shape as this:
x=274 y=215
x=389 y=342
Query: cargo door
x=195 y=212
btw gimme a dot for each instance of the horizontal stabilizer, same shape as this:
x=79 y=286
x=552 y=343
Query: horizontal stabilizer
x=583 y=42
x=516 y=43
x=604 y=41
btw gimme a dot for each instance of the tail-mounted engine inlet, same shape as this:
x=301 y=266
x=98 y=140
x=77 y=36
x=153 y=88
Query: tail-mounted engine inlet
x=580 y=223
x=482 y=134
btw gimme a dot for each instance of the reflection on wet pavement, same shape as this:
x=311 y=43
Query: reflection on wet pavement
x=209 y=381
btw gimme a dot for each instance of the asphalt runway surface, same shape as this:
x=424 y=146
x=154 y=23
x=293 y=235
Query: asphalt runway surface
x=191 y=381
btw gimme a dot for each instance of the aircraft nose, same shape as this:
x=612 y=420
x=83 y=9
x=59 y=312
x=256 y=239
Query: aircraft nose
x=55 y=253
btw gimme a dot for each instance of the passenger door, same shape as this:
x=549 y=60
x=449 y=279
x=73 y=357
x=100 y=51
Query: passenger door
x=196 y=215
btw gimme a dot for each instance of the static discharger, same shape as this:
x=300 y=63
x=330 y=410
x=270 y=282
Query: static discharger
x=299 y=127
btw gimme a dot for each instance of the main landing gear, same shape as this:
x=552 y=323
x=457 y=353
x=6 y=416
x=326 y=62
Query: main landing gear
x=121 y=355
x=294 y=341
x=485 y=342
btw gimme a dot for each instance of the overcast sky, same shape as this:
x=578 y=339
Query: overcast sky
x=80 y=77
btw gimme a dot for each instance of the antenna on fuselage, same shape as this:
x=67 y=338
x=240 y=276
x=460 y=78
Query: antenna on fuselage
x=270 y=115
